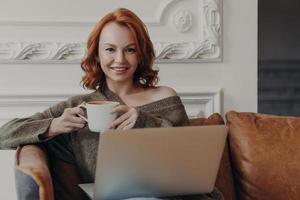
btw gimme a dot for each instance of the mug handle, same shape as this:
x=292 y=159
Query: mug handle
x=82 y=117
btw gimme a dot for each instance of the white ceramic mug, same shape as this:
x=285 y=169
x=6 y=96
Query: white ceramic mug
x=99 y=115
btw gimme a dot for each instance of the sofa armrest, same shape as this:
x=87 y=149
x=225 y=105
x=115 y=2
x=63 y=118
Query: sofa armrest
x=32 y=161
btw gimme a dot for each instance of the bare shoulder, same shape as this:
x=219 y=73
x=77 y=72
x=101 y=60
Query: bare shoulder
x=150 y=95
x=162 y=92
x=166 y=91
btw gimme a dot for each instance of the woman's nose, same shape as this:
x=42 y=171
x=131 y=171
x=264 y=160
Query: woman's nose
x=119 y=57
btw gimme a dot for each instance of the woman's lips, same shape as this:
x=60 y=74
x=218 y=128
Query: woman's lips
x=119 y=69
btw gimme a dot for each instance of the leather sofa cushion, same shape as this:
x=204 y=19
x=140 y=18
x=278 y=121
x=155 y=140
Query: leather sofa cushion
x=214 y=119
x=266 y=155
x=224 y=180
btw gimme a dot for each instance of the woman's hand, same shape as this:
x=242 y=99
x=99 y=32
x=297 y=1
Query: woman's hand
x=68 y=122
x=126 y=120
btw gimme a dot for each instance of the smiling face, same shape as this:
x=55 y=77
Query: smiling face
x=117 y=53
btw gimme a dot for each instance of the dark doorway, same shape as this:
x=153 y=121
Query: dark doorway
x=279 y=57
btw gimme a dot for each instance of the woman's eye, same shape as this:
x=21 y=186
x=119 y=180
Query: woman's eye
x=131 y=50
x=110 y=50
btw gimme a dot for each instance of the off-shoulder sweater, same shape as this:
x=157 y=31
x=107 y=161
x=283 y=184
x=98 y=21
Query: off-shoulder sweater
x=80 y=147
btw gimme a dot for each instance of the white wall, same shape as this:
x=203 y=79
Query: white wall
x=236 y=75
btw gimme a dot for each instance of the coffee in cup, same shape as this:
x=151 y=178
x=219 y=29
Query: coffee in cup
x=99 y=115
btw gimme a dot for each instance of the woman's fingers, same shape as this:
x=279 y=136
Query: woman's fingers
x=78 y=120
x=76 y=125
x=128 y=116
x=127 y=124
x=78 y=111
x=127 y=120
x=120 y=120
x=69 y=121
x=124 y=124
x=72 y=115
x=71 y=118
x=120 y=109
x=75 y=111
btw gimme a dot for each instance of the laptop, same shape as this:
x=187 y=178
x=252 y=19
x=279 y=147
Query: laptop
x=157 y=162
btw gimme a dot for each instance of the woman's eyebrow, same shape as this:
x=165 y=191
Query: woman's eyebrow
x=109 y=44
x=131 y=44
x=128 y=45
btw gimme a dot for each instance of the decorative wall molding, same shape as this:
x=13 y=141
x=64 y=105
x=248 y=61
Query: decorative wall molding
x=206 y=49
x=197 y=104
x=183 y=20
x=164 y=5
x=44 y=51
x=156 y=20
x=47 y=52
x=201 y=103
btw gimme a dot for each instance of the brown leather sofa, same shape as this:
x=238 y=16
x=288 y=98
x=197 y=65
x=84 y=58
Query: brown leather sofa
x=261 y=161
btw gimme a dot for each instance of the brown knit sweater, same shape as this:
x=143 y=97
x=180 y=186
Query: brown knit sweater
x=80 y=147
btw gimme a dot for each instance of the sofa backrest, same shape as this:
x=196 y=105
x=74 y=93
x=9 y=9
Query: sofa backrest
x=265 y=151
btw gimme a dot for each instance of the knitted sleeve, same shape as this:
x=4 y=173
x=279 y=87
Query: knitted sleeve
x=21 y=131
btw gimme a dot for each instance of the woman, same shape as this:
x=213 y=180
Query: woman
x=118 y=67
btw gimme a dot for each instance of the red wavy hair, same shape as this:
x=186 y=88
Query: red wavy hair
x=144 y=76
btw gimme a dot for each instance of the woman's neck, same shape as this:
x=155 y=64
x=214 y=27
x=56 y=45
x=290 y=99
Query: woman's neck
x=122 y=89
